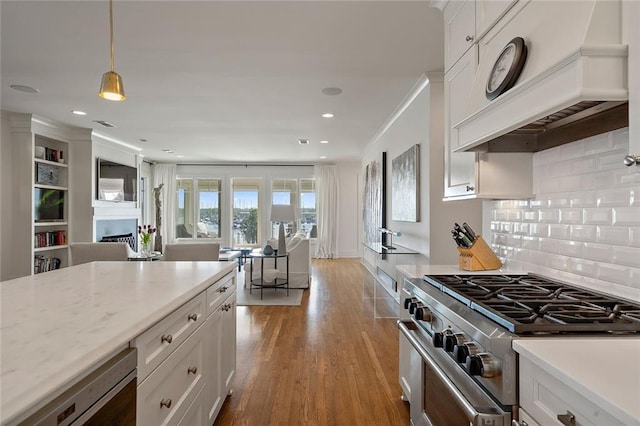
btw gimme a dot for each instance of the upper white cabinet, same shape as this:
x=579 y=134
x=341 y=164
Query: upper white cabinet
x=488 y=12
x=460 y=170
x=471 y=174
x=459 y=30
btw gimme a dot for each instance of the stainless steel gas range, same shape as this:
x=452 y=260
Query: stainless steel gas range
x=457 y=365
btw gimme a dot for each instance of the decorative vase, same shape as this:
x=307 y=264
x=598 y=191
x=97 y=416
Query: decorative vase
x=146 y=248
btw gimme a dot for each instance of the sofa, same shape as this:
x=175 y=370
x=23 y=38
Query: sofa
x=299 y=263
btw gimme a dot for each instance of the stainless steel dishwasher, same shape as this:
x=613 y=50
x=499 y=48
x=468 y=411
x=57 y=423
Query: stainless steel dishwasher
x=107 y=396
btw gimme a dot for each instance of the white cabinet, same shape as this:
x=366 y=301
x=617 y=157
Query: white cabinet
x=459 y=30
x=544 y=397
x=631 y=10
x=186 y=361
x=166 y=394
x=221 y=345
x=471 y=174
x=40 y=195
x=488 y=12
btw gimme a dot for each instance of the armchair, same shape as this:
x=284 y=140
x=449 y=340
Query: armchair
x=299 y=263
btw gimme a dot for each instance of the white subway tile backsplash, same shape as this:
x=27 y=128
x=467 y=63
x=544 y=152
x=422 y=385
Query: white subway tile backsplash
x=617 y=235
x=598 y=216
x=626 y=216
x=629 y=256
x=611 y=159
x=583 y=267
x=571 y=216
x=559 y=231
x=549 y=215
x=583 y=233
x=583 y=223
x=571 y=248
x=597 y=144
x=634 y=236
x=614 y=197
x=583 y=199
x=614 y=273
x=570 y=183
x=598 y=252
x=549 y=245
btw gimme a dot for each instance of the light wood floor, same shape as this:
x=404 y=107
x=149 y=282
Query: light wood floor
x=326 y=362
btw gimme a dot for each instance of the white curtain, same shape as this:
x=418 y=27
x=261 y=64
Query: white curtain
x=166 y=174
x=327 y=211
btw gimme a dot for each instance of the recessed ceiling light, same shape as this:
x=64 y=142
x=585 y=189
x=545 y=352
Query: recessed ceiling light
x=323 y=157
x=324 y=141
x=331 y=91
x=142 y=140
x=78 y=112
x=328 y=115
x=25 y=89
x=180 y=156
x=303 y=141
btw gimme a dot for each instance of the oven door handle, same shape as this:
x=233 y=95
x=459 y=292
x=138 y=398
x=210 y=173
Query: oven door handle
x=470 y=411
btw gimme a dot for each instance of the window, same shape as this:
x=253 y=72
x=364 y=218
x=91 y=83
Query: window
x=198 y=203
x=308 y=206
x=283 y=191
x=246 y=211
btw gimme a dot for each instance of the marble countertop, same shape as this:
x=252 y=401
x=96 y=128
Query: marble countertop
x=56 y=327
x=417 y=271
x=606 y=371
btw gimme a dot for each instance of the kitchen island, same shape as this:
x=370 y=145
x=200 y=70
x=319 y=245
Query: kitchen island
x=59 y=326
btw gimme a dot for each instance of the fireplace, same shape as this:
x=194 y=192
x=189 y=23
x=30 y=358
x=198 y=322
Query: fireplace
x=118 y=230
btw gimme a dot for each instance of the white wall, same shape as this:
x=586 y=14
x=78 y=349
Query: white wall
x=6 y=183
x=420 y=121
x=583 y=224
x=349 y=209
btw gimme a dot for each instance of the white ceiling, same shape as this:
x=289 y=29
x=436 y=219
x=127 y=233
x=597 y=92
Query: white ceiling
x=214 y=81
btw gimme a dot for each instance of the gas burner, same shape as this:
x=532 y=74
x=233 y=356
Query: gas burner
x=534 y=304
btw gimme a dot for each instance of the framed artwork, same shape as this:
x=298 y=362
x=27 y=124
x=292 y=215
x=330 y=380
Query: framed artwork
x=373 y=217
x=405 y=186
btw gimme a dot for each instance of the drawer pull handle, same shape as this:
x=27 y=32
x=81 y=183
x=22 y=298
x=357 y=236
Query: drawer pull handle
x=223 y=289
x=470 y=188
x=519 y=423
x=193 y=317
x=165 y=403
x=567 y=419
x=166 y=338
x=192 y=370
x=469 y=38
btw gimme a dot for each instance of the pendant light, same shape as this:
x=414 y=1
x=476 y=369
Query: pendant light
x=111 y=87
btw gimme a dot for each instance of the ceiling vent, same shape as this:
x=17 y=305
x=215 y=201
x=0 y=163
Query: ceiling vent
x=104 y=123
x=303 y=141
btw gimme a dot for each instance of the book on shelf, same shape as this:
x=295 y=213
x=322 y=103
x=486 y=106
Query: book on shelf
x=45 y=264
x=50 y=239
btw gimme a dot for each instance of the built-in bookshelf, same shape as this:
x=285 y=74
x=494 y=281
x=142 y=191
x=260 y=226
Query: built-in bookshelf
x=50 y=203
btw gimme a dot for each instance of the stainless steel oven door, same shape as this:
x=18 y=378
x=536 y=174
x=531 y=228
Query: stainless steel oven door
x=443 y=394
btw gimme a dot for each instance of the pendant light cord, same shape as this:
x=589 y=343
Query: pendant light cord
x=111 y=32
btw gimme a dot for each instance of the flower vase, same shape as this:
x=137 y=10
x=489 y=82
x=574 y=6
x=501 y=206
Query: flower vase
x=146 y=248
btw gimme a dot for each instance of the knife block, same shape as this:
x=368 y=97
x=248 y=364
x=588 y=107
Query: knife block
x=479 y=257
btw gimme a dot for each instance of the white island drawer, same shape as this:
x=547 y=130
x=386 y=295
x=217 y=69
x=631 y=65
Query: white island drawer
x=165 y=396
x=219 y=291
x=545 y=397
x=155 y=344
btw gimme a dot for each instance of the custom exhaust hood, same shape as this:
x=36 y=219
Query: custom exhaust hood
x=573 y=83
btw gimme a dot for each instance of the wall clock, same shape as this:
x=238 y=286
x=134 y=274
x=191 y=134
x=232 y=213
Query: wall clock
x=507 y=68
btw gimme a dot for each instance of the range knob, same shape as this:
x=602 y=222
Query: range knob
x=461 y=352
x=454 y=339
x=408 y=301
x=482 y=364
x=438 y=338
x=413 y=306
x=423 y=314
